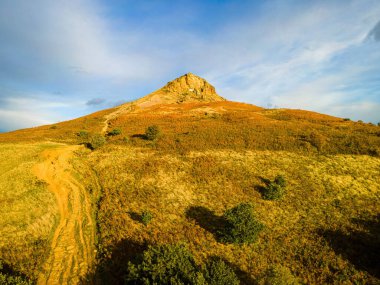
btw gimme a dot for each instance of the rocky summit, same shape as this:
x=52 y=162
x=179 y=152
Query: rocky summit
x=187 y=88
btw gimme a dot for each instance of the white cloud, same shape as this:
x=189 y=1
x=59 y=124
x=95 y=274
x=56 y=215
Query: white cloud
x=289 y=55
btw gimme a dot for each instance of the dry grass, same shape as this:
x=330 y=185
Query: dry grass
x=210 y=157
x=28 y=211
x=66 y=132
x=229 y=125
x=331 y=202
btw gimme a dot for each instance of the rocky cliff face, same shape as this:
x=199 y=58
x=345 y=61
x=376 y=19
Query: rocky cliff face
x=187 y=88
x=190 y=87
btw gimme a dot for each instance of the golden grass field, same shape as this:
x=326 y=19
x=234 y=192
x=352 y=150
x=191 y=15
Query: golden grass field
x=332 y=202
x=209 y=157
x=28 y=212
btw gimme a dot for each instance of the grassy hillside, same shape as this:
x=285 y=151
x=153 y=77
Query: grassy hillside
x=325 y=230
x=28 y=212
x=237 y=126
x=208 y=158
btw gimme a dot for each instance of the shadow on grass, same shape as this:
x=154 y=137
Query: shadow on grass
x=139 y=136
x=207 y=220
x=260 y=188
x=112 y=269
x=135 y=216
x=9 y=271
x=360 y=248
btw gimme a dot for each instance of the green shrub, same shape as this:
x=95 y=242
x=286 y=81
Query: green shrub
x=96 y=141
x=165 y=264
x=278 y=275
x=346 y=119
x=275 y=190
x=219 y=273
x=280 y=180
x=174 y=264
x=12 y=279
x=152 y=132
x=126 y=139
x=146 y=217
x=115 y=132
x=241 y=225
x=53 y=127
x=83 y=134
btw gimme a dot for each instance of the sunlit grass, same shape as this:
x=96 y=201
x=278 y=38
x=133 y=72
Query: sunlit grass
x=28 y=210
x=325 y=194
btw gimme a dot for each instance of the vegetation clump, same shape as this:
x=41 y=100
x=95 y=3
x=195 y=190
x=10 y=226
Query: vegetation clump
x=152 y=132
x=96 y=141
x=165 y=264
x=174 y=264
x=219 y=273
x=115 y=132
x=11 y=279
x=241 y=225
x=278 y=275
x=146 y=217
x=275 y=189
x=82 y=134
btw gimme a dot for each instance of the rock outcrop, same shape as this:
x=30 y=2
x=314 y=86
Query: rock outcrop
x=187 y=88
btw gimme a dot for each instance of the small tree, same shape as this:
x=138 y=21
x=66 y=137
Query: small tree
x=152 y=132
x=241 y=225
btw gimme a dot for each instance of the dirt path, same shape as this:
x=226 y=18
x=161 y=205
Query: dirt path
x=72 y=247
x=121 y=109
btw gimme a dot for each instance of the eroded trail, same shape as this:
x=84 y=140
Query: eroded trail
x=72 y=246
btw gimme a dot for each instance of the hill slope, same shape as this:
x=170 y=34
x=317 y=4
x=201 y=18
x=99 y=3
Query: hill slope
x=194 y=117
x=210 y=156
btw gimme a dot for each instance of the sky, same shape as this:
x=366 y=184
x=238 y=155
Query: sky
x=67 y=58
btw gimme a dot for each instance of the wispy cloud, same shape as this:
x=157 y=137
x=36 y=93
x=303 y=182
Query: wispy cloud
x=313 y=55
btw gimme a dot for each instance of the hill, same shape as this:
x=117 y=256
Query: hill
x=100 y=208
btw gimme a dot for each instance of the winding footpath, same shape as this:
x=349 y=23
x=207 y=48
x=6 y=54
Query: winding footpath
x=72 y=246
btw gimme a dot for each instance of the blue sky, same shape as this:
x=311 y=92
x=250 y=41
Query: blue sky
x=63 y=59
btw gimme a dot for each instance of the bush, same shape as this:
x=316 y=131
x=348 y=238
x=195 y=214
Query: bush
x=12 y=279
x=96 y=141
x=275 y=190
x=165 y=264
x=146 y=217
x=115 y=132
x=174 y=264
x=83 y=136
x=280 y=180
x=219 y=273
x=152 y=132
x=279 y=275
x=241 y=225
